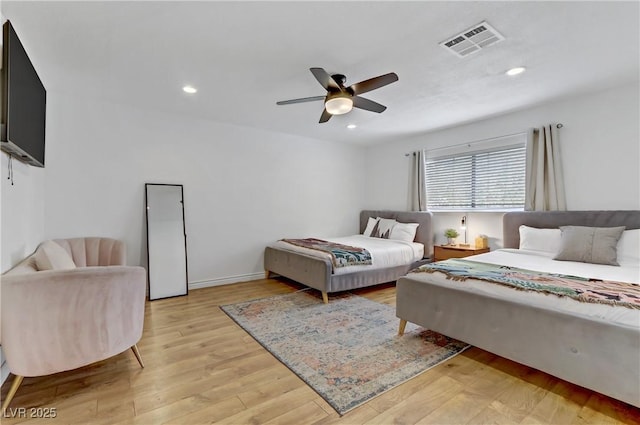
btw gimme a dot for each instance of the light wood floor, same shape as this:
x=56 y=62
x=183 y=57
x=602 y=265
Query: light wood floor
x=202 y=368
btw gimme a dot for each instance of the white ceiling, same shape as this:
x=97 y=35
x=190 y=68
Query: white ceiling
x=245 y=56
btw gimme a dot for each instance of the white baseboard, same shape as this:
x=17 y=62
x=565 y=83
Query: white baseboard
x=225 y=280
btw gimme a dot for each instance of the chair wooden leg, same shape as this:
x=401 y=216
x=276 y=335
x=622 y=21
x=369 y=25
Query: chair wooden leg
x=403 y=324
x=325 y=298
x=12 y=391
x=267 y=273
x=134 y=348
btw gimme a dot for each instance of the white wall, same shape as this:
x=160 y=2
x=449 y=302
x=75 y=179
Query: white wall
x=600 y=149
x=22 y=211
x=243 y=188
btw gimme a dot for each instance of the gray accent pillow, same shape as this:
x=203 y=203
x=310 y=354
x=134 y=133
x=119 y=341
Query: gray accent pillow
x=371 y=225
x=383 y=228
x=597 y=245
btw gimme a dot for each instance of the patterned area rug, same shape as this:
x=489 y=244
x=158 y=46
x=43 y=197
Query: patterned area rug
x=348 y=350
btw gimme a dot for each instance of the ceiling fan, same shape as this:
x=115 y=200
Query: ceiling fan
x=340 y=99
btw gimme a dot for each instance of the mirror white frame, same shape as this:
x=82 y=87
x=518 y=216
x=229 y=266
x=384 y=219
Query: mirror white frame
x=166 y=241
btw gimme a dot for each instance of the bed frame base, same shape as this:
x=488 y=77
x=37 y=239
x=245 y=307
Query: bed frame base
x=588 y=352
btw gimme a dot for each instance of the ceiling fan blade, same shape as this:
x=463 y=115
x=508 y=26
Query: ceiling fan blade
x=325 y=116
x=369 y=105
x=325 y=79
x=373 y=83
x=300 y=100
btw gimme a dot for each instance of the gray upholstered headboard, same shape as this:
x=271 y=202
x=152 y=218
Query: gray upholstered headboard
x=424 y=233
x=552 y=219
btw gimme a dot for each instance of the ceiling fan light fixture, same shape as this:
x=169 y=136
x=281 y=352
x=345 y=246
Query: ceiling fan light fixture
x=339 y=105
x=515 y=71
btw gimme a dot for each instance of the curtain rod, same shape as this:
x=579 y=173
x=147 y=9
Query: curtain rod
x=559 y=125
x=535 y=130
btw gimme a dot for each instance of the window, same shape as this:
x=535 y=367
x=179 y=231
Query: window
x=488 y=175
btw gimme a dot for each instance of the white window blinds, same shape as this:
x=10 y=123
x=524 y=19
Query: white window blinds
x=487 y=176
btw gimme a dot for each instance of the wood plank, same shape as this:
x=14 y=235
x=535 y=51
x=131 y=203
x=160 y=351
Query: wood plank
x=211 y=413
x=260 y=392
x=600 y=409
x=522 y=396
x=215 y=384
x=272 y=408
x=561 y=405
x=457 y=410
x=421 y=403
x=308 y=412
x=402 y=392
x=489 y=415
x=359 y=415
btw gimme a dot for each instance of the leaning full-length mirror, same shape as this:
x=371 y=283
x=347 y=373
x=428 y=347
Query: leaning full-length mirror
x=166 y=241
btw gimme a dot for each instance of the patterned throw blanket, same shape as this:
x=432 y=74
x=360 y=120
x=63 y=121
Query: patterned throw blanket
x=578 y=288
x=341 y=255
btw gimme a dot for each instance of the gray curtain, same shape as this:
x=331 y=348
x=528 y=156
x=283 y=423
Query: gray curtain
x=544 y=181
x=419 y=187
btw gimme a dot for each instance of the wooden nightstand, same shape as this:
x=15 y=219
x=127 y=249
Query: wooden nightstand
x=444 y=252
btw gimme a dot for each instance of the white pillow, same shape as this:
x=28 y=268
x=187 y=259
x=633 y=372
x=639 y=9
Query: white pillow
x=383 y=228
x=51 y=256
x=371 y=224
x=629 y=246
x=545 y=240
x=404 y=232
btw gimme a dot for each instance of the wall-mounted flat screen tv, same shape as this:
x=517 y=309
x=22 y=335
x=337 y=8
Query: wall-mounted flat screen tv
x=24 y=102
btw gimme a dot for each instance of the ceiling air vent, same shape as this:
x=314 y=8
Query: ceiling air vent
x=473 y=39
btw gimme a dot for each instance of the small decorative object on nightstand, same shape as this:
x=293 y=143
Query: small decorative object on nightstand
x=444 y=252
x=482 y=241
x=451 y=235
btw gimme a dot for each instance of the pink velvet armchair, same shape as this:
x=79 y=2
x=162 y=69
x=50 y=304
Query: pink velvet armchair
x=71 y=303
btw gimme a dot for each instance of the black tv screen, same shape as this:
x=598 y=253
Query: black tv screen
x=24 y=102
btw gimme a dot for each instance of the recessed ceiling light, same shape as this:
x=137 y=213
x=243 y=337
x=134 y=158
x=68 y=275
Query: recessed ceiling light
x=351 y=126
x=515 y=71
x=189 y=89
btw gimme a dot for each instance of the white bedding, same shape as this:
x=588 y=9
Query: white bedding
x=538 y=261
x=384 y=252
x=544 y=262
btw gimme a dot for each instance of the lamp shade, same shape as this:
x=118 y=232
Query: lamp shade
x=339 y=104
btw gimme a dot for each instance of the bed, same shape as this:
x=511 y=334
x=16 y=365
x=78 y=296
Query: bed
x=317 y=271
x=593 y=345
